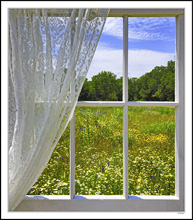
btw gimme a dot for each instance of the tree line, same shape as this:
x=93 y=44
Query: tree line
x=157 y=85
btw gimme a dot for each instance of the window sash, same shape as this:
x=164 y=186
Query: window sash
x=126 y=202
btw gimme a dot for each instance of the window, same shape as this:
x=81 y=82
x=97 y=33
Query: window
x=128 y=202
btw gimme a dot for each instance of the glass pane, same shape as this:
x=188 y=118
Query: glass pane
x=55 y=179
x=151 y=151
x=104 y=77
x=151 y=68
x=98 y=151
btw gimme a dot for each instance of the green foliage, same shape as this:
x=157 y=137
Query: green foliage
x=157 y=85
x=99 y=154
x=166 y=87
x=84 y=95
x=103 y=86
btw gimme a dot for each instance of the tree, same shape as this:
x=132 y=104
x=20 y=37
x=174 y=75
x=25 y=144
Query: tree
x=166 y=88
x=131 y=89
x=84 y=95
x=104 y=86
x=120 y=89
x=157 y=85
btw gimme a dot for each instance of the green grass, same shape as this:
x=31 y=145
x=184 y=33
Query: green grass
x=99 y=154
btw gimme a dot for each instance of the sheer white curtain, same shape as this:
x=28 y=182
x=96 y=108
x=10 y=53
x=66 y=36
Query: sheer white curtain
x=50 y=52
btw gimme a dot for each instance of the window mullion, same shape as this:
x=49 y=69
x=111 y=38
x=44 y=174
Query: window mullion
x=125 y=108
x=72 y=125
x=72 y=157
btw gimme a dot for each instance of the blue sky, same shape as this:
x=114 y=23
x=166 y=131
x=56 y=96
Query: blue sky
x=151 y=43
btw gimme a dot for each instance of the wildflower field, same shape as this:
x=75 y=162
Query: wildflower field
x=99 y=154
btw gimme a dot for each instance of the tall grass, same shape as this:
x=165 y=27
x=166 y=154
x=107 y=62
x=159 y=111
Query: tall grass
x=99 y=154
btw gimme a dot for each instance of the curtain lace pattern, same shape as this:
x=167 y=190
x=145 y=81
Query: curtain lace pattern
x=50 y=51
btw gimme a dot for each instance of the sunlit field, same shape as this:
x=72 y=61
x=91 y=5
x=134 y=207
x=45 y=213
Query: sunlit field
x=99 y=154
x=151 y=151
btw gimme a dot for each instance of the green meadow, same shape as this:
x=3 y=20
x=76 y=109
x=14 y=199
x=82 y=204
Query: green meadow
x=99 y=154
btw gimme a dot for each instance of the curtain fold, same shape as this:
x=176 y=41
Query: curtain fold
x=50 y=51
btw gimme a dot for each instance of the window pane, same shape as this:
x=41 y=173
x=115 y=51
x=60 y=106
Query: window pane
x=151 y=151
x=98 y=151
x=55 y=179
x=104 y=78
x=151 y=68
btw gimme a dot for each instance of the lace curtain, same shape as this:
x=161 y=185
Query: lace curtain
x=50 y=52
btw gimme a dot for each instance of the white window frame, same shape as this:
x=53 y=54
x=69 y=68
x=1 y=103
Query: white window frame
x=125 y=202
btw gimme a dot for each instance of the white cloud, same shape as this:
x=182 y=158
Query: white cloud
x=140 y=61
x=106 y=59
x=114 y=27
x=151 y=28
x=148 y=28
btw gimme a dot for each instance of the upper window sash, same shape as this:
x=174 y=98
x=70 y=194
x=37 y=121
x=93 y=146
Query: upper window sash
x=132 y=12
x=146 y=12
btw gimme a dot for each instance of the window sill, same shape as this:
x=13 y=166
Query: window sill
x=98 y=197
x=100 y=203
